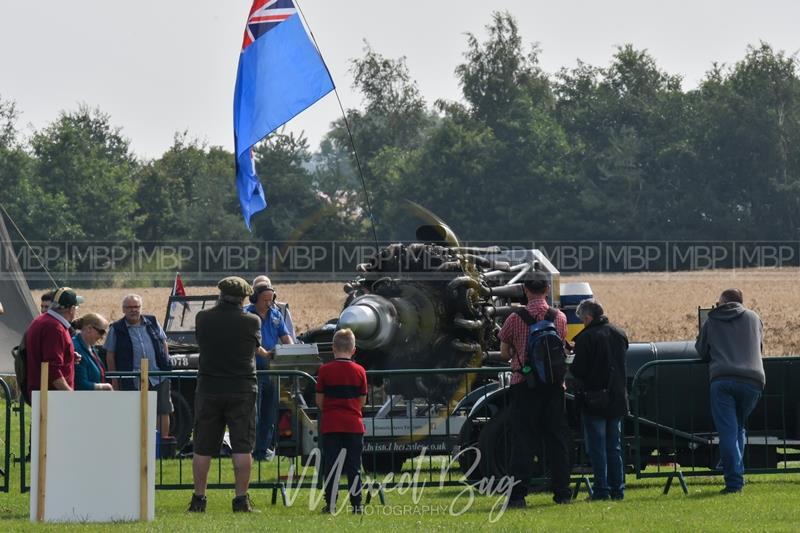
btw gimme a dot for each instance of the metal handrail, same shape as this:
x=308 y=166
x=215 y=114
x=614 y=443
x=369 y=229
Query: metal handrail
x=660 y=362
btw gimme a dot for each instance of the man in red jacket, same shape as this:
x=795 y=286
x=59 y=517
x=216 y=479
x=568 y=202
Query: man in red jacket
x=48 y=339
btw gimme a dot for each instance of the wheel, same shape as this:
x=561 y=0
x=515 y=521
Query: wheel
x=468 y=455
x=495 y=445
x=181 y=419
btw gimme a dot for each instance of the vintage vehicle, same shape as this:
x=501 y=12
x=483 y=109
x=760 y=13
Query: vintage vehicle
x=425 y=316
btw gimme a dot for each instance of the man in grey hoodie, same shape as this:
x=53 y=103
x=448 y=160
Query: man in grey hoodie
x=731 y=341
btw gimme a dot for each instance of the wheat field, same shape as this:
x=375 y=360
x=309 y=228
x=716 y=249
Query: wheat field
x=649 y=307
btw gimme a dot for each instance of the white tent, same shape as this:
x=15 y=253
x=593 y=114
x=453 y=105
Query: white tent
x=15 y=295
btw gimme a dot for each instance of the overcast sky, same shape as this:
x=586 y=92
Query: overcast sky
x=162 y=66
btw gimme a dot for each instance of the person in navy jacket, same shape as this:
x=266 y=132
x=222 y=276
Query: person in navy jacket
x=90 y=373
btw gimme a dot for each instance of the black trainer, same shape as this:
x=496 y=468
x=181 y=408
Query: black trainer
x=198 y=504
x=242 y=504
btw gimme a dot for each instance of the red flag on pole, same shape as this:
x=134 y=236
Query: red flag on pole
x=179 y=291
x=177 y=287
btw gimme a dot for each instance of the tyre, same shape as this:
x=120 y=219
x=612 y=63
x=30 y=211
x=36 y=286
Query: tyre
x=468 y=455
x=494 y=444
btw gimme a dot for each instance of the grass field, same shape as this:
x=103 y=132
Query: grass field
x=769 y=503
x=650 y=307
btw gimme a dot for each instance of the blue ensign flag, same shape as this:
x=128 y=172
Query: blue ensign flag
x=280 y=74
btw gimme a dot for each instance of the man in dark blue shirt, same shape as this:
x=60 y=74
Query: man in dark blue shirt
x=273 y=331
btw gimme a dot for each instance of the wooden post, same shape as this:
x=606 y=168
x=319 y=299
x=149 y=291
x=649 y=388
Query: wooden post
x=42 y=477
x=144 y=439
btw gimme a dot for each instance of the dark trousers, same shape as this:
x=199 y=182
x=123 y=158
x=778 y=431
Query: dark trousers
x=539 y=412
x=267 y=414
x=332 y=445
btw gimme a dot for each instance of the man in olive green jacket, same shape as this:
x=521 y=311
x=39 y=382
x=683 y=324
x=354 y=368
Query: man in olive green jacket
x=226 y=389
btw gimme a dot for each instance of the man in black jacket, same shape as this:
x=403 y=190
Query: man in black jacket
x=599 y=365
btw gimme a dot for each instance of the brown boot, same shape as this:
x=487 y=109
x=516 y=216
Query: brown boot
x=242 y=504
x=198 y=504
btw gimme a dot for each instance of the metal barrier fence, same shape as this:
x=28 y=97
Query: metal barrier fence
x=674 y=432
x=5 y=471
x=459 y=418
x=427 y=416
x=456 y=428
x=174 y=472
x=445 y=426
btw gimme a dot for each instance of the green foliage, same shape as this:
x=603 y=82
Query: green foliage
x=499 y=73
x=394 y=123
x=755 y=126
x=86 y=166
x=188 y=195
x=620 y=151
x=22 y=197
x=297 y=208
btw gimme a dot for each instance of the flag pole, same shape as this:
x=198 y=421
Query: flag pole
x=347 y=126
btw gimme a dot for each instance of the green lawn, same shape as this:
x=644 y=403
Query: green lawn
x=769 y=503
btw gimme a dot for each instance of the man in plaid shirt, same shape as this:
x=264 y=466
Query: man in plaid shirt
x=535 y=411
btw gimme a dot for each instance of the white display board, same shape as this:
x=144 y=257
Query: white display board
x=92 y=465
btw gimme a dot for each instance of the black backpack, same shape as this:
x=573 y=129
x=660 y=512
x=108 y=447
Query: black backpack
x=20 y=354
x=545 y=355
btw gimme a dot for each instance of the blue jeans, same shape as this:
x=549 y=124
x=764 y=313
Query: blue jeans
x=604 y=448
x=731 y=403
x=266 y=414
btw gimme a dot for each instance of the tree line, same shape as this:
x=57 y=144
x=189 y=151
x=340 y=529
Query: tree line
x=621 y=151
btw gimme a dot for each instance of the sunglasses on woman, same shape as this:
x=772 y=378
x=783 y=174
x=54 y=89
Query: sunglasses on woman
x=101 y=331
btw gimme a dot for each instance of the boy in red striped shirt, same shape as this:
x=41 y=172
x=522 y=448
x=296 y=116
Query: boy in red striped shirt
x=341 y=392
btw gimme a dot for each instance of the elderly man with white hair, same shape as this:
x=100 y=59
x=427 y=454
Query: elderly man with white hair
x=135 y=337
x=283 y=307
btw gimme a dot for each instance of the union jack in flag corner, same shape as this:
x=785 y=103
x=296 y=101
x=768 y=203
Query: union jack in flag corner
x=280 y=74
